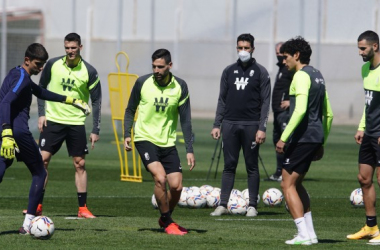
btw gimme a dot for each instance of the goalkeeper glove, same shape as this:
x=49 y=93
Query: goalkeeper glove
x=79 y=104
x=9 y=145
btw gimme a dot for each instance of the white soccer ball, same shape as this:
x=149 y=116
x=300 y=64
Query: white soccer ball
x=237 y=205
x=356 y=198
x=206 y=189
x=182 y=200
x=41 y=227
x=245 y=194
x=236 y=193
x=154 y=202
x=213 y=198
x=272 y=197
x=195 y=199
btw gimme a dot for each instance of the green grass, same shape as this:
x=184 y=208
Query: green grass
x=126 y=219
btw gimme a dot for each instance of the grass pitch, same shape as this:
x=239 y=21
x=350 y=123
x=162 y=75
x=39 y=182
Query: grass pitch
x=127 y=220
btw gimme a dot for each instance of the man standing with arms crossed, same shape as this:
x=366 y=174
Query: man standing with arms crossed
x=242 y=114
x=368 y=134
x=280 y=107
x=69 y=75
x=160 y=97
x=305 y=134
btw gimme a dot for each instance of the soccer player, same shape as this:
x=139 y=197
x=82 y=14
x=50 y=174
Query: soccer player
x=307 y=131
x=15 y=100
x=72 y=76
x=280 y=107
x=368 y=134
x=242 y=114
x=160 y=97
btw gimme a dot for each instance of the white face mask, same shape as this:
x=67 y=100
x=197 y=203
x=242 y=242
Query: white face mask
x=244 y=56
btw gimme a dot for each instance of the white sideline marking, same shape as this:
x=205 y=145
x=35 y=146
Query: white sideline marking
x=373 y=244
x=256 y=219
x=73 y=218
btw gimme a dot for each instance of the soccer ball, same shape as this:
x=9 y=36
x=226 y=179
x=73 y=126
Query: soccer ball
x=236 y=193
x=195 y=199
x=356 y=198
x=154 y=202
x=41 y=227
x=245 y=194
x=213 y=198
x=182 y=200
x=237 y=205
x=206 y=189
x=272 y=197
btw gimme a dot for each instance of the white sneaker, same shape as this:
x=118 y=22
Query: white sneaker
x=314 y=240
x=251 y=212
x=274 y=177
x=219 y=211
x=298 y=240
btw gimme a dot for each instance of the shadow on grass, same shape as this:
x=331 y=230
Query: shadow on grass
x=328 y=241
x=9 y=232
x=161 y=230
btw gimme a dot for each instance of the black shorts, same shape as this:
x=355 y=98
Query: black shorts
x=280 y=121
x=298 y=156
x=29 y=152
x=369 y=152
x=168 y=157
x=55 y=134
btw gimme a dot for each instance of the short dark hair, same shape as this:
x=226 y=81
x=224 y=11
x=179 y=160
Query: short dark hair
x=370 y=36
x=162 y=53
x=297 y=44
x=246 y=38
x=73 y=37
x=36 y=51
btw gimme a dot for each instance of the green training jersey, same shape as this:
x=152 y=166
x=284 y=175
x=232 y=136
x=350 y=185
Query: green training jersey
x=370 y=122
x=75 y=82
x=158 y=110
x=308 y=104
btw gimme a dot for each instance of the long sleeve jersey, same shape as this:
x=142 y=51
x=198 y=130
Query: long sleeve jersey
x=244 y=95
x=16 y=97
x=158 y=110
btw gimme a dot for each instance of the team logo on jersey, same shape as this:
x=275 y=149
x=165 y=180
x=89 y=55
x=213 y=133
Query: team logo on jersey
x=236 y=72
x=368 y=97
x=146 y=155
x=251 y=72
x=319 y=81
x=161 y=104
x=67 y=84
x=241 y=83
x=43 y=142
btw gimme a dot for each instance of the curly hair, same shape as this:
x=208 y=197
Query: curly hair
x=297 y=44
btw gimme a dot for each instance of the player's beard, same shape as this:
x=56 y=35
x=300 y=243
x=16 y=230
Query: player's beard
x=369 y=56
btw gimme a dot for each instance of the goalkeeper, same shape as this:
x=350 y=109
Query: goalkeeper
x=15 y=100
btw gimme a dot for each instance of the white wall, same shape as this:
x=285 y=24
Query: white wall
x=204 y=31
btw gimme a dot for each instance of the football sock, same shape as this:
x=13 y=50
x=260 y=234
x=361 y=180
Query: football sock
x=27 y=220
x=166 y=218
x=301 y=226
x=280 y=160
x=309 y=225
x=371 y=221
x=42 y=196
x=82 y=198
